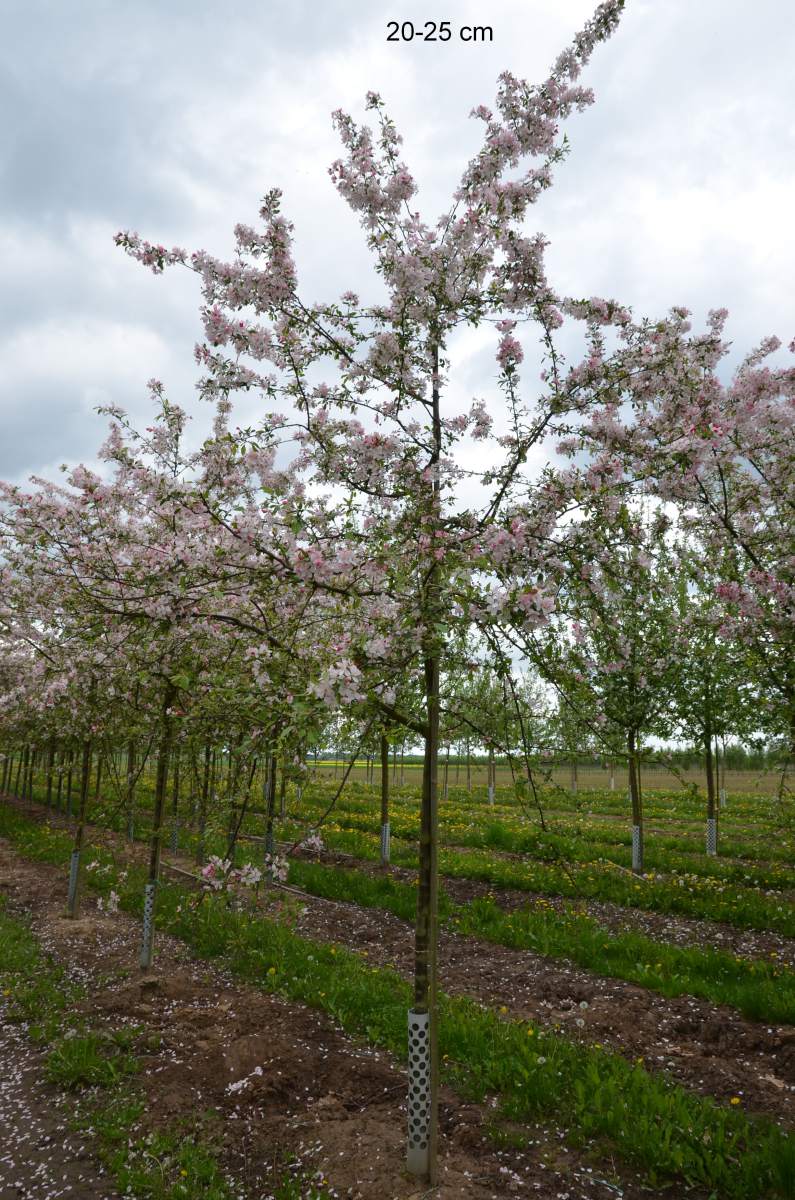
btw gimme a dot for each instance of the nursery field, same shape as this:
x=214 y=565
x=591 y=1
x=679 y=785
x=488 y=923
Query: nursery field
x=603 y=1032
x=589 y=777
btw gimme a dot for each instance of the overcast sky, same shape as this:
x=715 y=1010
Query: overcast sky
x=173 y=118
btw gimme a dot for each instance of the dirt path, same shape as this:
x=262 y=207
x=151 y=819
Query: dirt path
x=616 y=918
x=280 y=1078
x=39 y=1158
x=708 y=1048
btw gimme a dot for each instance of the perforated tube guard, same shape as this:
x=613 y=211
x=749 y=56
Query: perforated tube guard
x=419 y=1108
x=491 y=793
x=722 y=797
x=712 y=836
x=175 y=837
x=637 y=850
x=74 y=868
x=385 y=842
x=148 y=934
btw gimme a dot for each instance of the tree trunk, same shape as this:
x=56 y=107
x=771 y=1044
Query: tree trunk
x=130 y=791
x=282 y=792
x=19 y=773
x=637 y=804
x=161 y=781
x=423 y=1017
x=204 y=800
x=59 y=795
x=385 y=831
x=70 y=764
x=175 y=803
x=720 y=773
x=73 y=899
x=98 y=782
x=271 y=803
x=28 y=779
x=712 y=824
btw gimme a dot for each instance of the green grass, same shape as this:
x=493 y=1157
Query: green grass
x=686 y=895
x=168 y=1163
x=641 y=1118
x=88 y=1060
x=645 y=1119
x=760 y=990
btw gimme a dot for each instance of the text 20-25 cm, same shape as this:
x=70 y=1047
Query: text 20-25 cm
x=437 y=31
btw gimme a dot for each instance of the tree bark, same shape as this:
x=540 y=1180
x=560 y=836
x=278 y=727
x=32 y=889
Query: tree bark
x=73 y=900
x=271 y=806
x=156 y=844
x=130 y=801
x=385 y=830
x=424 y=1161
x=637 y=803
x=712 y=829
x=175 y=803
x=204 y=799
x=69 y=766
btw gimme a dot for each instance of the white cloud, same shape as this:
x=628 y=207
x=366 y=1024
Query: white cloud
x=677 y=188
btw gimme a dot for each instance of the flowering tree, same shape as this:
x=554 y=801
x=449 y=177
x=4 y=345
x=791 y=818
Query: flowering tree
x=714 y=691
x=409 y=551
x=724 y=453
x=613 y=652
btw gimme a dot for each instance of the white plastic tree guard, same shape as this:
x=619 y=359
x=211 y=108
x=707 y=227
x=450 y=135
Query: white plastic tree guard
x=74 y=868
x=385 y=842
x=147 y=942
x=637 y=849
x=417 y=1159
x=712 y=836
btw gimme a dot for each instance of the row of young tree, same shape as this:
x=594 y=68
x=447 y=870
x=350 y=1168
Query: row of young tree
x=618 y=516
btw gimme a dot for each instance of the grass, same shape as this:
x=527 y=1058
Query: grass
x=177 y=1162
x=689 y=895
x=761 y=991
x=642 y=1118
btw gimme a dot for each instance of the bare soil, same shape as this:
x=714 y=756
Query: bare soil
x=710 y=1049
x=279 y=1078
x=616 y=918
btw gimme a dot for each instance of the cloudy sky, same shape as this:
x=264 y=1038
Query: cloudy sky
x=173 y=118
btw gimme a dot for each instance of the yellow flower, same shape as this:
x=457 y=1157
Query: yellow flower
x=184 y=1173
x=530 y=1032
x=271 y=970
x=735 y=1100
x=503 y=1008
